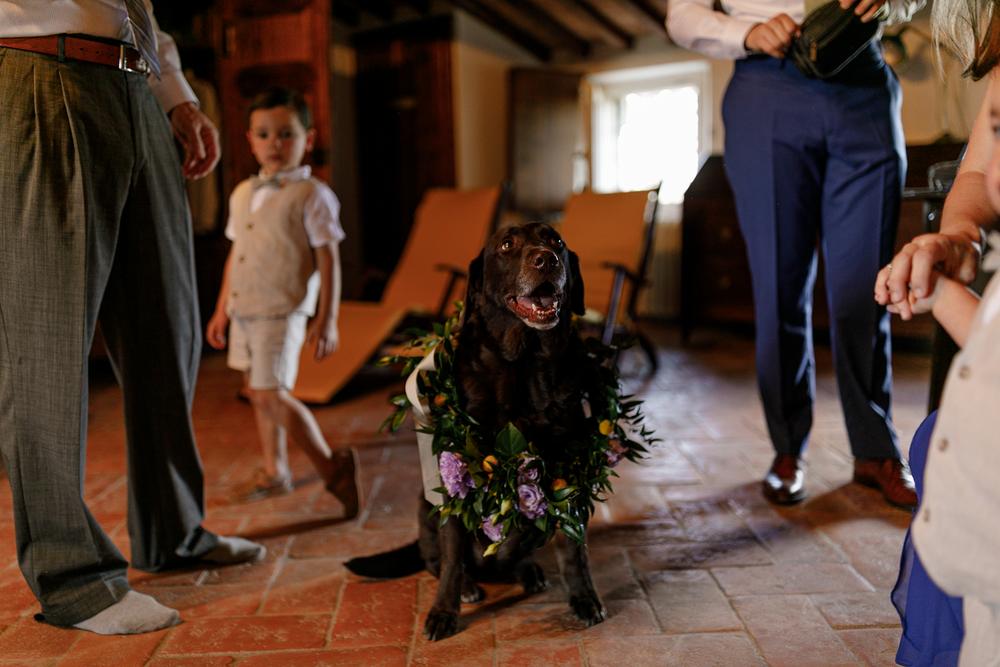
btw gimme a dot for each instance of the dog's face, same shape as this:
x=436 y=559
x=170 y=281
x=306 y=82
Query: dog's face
x=529 y=273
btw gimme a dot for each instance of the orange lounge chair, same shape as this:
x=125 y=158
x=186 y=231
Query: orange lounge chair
x=448 y=231
x=612 y=233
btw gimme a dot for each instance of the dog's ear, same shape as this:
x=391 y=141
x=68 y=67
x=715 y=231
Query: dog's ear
x=575 y=285
x=474 y=285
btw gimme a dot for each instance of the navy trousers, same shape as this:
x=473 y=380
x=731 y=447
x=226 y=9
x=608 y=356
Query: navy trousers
x=809 y=161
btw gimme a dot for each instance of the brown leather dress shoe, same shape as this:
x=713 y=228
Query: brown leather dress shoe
x=890 y=476
x=785 y=481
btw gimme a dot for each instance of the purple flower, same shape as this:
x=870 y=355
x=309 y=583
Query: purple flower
x=527 y=472
x=492 y=529
x=455 y=474
x=531 y=501
x=615 y=452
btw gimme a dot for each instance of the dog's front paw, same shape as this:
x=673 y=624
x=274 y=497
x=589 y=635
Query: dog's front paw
x=588 y=608
x=440 y=624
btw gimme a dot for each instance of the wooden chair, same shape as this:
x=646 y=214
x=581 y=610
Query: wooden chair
x=612 y=233
x=448 y=231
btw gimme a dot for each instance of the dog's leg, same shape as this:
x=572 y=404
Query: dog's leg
x=471 y=591
x=583 y=596
x=531 y=576
x=442 y=620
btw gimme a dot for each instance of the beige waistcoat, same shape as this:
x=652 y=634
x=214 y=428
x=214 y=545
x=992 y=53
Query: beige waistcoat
x=273 y=270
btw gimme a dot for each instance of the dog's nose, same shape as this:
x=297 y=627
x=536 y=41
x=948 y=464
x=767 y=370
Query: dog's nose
x=543 y=258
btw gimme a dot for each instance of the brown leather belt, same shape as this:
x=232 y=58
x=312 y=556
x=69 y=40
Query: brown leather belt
x=85 y=49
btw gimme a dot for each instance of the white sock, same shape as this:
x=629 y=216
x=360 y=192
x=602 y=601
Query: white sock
x=133 y=614
x=232 y=550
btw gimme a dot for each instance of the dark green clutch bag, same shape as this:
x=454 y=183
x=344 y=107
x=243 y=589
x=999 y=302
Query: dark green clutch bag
x=831 y=37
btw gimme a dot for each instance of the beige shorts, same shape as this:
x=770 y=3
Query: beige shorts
x=268 y=348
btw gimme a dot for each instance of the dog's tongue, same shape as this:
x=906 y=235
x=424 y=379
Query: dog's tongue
x=536 y=308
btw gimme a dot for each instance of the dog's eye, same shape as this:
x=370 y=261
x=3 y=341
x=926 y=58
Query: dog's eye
x=558 y=243
x=506 y=244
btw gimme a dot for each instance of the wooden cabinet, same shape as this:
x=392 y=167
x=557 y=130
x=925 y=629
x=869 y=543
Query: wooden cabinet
x=715 y=273
x=406 y=128
x=545 y=129
x=272 y=43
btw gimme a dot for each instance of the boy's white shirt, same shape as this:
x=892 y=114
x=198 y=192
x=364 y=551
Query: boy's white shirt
x=99 y=18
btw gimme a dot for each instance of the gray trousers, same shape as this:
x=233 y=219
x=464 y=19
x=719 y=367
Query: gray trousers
x=94 y=225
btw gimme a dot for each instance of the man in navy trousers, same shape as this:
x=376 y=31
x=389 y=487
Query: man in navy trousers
x=812 y=159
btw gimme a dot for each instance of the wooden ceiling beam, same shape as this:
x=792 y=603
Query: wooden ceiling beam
x=626 y=38
x=419 y=6
x=656 y=11
x=529 y=13
x=632 y=20
x=507 y=28
x=583 y=22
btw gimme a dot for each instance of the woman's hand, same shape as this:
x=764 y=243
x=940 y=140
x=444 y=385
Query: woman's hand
x=912 y=273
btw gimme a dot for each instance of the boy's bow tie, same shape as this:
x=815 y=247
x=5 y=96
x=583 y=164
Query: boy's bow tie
x=273 y=181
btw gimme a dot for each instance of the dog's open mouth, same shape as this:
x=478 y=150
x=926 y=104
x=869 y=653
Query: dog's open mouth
x=540 y=309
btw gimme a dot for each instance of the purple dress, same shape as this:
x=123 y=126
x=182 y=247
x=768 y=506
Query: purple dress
x=932 y=619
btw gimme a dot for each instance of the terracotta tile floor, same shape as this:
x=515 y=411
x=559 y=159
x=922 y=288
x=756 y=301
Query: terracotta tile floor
x=694 y=567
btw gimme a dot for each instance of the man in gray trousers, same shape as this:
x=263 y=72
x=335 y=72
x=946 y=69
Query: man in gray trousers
x=94 y=225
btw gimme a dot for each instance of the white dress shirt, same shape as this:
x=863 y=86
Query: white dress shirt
x=100 y=18
x=694 y=25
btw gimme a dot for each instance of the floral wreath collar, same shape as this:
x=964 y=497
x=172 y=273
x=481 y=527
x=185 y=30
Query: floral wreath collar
x=498 y=483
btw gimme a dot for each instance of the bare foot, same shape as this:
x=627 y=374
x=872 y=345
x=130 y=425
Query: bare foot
x=343 y=483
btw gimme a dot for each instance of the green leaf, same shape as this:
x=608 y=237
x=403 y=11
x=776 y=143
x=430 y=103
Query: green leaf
x=397 y=420
x=510 y=442
x=572 y=529
x=492 y=549
x=564 y=492
x=471 y=447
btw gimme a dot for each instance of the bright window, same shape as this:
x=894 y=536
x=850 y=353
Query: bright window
x=650 y=125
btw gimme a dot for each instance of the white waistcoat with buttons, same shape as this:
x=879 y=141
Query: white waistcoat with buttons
x=957 y=530
x=273 y=271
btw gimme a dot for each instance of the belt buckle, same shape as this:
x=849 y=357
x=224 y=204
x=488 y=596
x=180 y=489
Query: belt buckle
x=142 y=67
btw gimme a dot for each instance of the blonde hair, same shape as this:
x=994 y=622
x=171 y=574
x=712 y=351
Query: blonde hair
x=971 y=30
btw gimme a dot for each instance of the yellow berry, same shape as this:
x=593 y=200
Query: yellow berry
x=440 y=400
x=489 y=462
x=605 y=427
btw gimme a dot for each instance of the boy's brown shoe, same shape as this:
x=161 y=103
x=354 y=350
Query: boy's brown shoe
x=890 y=476
x=345 y=485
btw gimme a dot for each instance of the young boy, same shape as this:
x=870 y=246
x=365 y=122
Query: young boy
x=283 y=268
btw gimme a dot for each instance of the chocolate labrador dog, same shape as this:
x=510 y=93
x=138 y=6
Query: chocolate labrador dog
x=519 y=360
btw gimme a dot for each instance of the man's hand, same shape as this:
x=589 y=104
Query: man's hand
x=866 y=9
x=912 y=273
x=773 y=37
x=198 y=137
